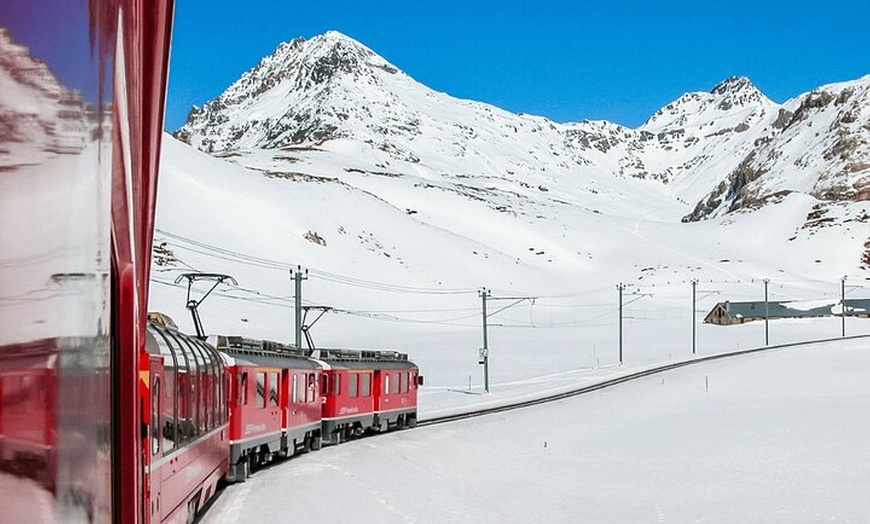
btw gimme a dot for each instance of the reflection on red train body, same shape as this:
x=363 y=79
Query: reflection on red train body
x=81 y=102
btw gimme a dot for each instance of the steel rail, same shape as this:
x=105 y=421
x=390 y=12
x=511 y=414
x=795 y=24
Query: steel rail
x=619 y=380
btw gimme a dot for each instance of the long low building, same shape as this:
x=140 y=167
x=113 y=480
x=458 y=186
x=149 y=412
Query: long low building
x=729 y=313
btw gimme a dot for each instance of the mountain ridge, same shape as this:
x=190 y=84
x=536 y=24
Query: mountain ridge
x=704 y=148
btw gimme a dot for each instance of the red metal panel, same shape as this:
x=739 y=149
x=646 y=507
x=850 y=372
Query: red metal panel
x=249 y=422
x=139 y=101
x=191 y=472
x=307 y=409
x=343 y=405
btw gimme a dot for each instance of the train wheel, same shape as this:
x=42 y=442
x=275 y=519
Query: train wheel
x=192 y=508
x=316 y=442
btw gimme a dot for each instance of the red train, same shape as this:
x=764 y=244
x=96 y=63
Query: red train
x=221 y=409
x=103 y=417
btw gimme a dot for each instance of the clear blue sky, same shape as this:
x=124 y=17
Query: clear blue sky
x=618 y=60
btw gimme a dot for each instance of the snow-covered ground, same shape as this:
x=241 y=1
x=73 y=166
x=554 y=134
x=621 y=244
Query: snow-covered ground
x=402 y=203
x=770 y=437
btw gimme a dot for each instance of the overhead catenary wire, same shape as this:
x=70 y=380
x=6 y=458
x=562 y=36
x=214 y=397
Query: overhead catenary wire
x=557 y=301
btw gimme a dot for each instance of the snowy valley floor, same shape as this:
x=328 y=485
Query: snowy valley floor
x=780 y=436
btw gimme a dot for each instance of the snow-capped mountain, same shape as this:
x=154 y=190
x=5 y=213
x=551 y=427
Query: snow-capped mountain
x=29 y=131
x=820 y=146
x=705 y=147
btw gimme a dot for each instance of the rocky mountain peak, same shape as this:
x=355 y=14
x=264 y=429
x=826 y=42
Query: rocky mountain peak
x=731 y=97
x=737 y=91
x=733 y=85
x=296 y=94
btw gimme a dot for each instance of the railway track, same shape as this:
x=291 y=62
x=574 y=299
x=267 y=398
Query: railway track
x=619 y=380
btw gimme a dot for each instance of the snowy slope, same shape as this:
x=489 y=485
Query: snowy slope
x=767 y=438
x=403 y=202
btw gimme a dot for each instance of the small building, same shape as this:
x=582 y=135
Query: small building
x=856 y=307
x=729 y=313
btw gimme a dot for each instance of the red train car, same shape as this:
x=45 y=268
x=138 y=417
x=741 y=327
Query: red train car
x=189 y=423
x=396 y=383
x=359 y=396
x=28 y=412
x=274 y=403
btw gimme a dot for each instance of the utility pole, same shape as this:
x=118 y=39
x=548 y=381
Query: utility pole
x=766 y=314
x=486 y=294
x=298 y=275
x=843 y=305
x=484 y=351
x=694 y=289
x=620 y=287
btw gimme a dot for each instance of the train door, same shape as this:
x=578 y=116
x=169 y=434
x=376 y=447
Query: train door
x=155 y=433
x=286 y=407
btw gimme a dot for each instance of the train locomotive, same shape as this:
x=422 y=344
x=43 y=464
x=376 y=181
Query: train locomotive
x=225 y=406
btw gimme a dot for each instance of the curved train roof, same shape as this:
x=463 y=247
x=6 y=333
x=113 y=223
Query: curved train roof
x=247 y=351
x=363 y=359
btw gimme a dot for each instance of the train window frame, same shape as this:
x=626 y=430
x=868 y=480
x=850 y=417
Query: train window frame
x=242 y=388
x=301 y=388
x=366 y=385
x=312 y=388
x=156 y=434
x=324 y=384
x=274 y=385
x=403 y=378
x=260 y=399
x=294 y=392
x=386 y=383
x=395 y=384
x=189 y=429
x=168 y=348
x=336 y=384
x=353 y=385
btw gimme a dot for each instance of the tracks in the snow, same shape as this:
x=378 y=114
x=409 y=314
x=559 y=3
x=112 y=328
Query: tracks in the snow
x=617 y=380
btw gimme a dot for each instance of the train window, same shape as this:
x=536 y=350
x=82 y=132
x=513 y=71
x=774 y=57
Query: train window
x=386 y=383
x=324 y=385
x=261 y=390
x=312 y=387
x=242 y=394
x=336 y=384
x=155 y=416
x=175 y=367
x=301 y=388
x=404 y=378
x=273 y=389
x=295 y=393
x=366 y=385
x=353 y=387
x=395 y=383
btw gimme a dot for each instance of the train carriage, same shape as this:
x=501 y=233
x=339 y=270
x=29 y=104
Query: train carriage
x=274 y=402
x=396 y=382
x=188 y=435
x=355 y=399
